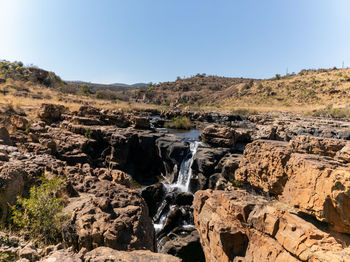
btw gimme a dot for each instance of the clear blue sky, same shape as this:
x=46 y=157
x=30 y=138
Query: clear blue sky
x=132 y=41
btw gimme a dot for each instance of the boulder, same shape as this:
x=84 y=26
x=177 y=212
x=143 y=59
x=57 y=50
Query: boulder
x=241 y=226
x=319 y=186
x=12 y=177
x=182 y=243
x=62 y=255
x=109 y=215
x=206 y=159
x=224 y=136
x=88 y=111
x=344 y=154
x=316 y=145
x=103 y=254
x=51 y=112
x=114 y=175
x=172 y=152
x=183 y=199
x=19 y=122
x=153 y=195
x=5 y=138
x=228 y=165
x=142 y=122
x=263 y=165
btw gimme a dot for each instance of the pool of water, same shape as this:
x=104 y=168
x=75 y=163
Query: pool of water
x=192 y=134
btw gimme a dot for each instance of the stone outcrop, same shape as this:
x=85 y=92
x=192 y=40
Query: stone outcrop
x=240 y=226
x=12 y=178
x=315 y=183
x=316 y=145
x=182 y=244
x=5 y=138
x=19 y=122
x=104 y=254
x=108 y=254
x=319 y=186
x=108 y=215
x=51 y=112
x=224 y=136
x=263 y=165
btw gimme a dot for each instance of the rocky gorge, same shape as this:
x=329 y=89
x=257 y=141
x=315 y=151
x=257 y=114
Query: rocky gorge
x=249 y=188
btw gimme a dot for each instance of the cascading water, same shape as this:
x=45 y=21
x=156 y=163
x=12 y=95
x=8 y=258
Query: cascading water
x=181 y=185
x=185 y=173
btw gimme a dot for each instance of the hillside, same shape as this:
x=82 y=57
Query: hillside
x=312 y=88
x=321 y=92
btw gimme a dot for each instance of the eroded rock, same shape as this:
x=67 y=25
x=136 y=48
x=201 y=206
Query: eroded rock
x=263 y=165
x=109 y=215
x=240 y=226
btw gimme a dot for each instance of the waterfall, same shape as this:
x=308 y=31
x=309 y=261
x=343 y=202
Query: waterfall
x=185 y=173
x=181 y=185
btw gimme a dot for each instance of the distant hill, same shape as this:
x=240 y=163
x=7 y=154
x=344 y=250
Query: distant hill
x=309 y=89
x=97 y=87
x=313 y=87
x=133 y=85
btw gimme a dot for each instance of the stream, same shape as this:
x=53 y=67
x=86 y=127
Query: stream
x=181 y=185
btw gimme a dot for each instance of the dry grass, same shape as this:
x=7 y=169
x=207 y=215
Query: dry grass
x=306 y=92
x=30 y=105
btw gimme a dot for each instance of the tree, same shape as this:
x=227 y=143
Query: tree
x=85 y=89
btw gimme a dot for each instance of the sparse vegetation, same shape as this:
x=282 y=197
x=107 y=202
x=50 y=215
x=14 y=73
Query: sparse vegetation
x=88 y=133
x=179 y=123
x=332 y=112
x=244 y=112
x=7 y=257
x=39 y=214
x=85 y=89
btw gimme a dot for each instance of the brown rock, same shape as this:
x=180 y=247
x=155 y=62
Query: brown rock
x=263 y=165
x=50 y=112
x=117 y=176
x=109 y=215
x=11 y=185
x=62 y=255
x=344 y=154
x=316 y=145
x=141 y=122
x=229 y=164
x=239 y=226
x=104 y=254
x=5 y=137
x=319 y=186
x=29 y=253
x=223 y=136
x=19 y=122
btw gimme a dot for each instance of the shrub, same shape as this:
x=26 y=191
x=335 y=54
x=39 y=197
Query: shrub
x=7 y=257
x=332 y=112
x=278 y=77
x=106 y=95
x=179 y=122
x=40 y=213
x=88 y=134
x=244 y=112
x=85 y=89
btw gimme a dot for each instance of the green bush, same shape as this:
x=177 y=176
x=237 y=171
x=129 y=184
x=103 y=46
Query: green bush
x=179 y=122
x=106 y=95
x=244 y=112
x=7 y=257
x=85 y=89
x=40 y=213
